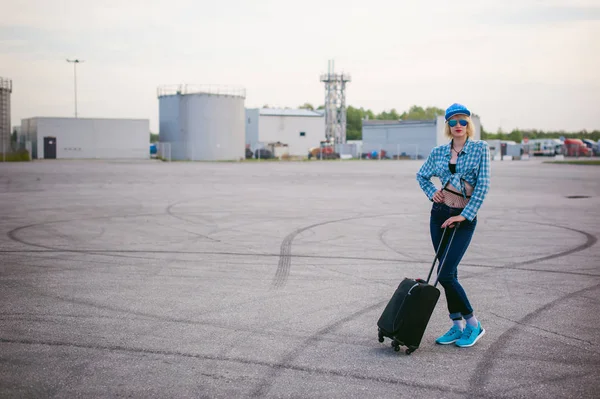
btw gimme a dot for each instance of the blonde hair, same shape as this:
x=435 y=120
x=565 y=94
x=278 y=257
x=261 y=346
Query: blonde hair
x=470 y=127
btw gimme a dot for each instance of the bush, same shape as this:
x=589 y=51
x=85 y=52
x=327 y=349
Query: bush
x=17 y=156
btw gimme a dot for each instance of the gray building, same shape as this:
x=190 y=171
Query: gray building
x=202 y=123
x=414 y=139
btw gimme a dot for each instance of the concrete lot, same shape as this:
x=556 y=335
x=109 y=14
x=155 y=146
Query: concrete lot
x=154 y=280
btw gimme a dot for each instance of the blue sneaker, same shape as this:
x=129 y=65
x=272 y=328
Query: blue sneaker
x=453 y=335
x=470 y=335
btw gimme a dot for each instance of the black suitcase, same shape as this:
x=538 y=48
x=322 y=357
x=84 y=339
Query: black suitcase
x=407 y=314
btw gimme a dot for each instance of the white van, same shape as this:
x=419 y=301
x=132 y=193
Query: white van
x=544 y=147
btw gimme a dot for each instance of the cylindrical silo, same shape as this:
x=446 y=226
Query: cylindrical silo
x=202 y=123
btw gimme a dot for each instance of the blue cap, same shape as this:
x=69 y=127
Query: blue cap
x=457 y=109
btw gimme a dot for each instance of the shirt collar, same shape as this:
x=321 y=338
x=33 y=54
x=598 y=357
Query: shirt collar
x=465 y=149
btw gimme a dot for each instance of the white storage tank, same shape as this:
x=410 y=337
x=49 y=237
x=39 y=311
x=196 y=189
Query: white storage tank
x=202 y=123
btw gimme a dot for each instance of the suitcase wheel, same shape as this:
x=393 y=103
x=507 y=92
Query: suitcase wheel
x=409 y=351
x=380 y=336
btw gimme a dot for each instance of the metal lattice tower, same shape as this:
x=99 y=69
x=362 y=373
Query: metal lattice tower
x=335 y=104
x=5 y=90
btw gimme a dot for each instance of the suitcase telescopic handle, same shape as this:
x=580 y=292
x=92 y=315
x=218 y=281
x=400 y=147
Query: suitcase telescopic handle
x=437 y=253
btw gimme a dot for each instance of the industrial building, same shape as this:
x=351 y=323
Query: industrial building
x=300 y=129
x=414 y=139
x=5 y=91
x=85 y=138
x=201 y=123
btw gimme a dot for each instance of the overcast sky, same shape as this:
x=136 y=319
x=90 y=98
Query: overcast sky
x=525 y=63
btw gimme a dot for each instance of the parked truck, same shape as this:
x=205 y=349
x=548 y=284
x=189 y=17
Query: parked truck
x=326 y=150
x=576 y=148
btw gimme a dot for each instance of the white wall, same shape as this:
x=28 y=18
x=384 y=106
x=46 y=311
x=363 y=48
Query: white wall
x=86 y=138
x=168 y=117
x=28 y=134
x=441 y=138
x=286 y=129
x=252 y=128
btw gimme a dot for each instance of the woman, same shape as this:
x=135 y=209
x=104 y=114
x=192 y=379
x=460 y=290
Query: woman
x=463 y=167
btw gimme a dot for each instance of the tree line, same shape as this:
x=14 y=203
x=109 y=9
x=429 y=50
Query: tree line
x=355 y=116
x=518 y=135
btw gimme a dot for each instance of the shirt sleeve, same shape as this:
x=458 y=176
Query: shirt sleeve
x=481 y=187
x=424 y=176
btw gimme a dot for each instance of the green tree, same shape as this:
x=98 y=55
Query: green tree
x=354 y=120
x=484 y=133
x=515 y=135
x=393 y=115
x=307 y=106
x=353 y=123
x=416 y=113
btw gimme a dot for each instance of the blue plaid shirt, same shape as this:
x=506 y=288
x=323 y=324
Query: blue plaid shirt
x=472 y=166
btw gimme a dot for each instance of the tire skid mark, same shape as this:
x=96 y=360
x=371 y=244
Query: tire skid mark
x=32 y=317
x=115 y=252
x=238 y=360
x=543 y=329
x=382 y=233
x=552 y=380
x=47 y=316
x=13 y=234
x=482 y=373
x=170 y=319
x=31 y=255
x=591 y=240
x=285 y=258
x=283 y=272
x=112 y=252
x=480 y=377
x=286 y=362
x=169 y=211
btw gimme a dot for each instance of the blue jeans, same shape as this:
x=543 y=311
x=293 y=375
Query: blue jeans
x=456 y=297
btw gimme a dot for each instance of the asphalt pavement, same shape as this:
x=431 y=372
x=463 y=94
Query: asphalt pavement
x=266 y=279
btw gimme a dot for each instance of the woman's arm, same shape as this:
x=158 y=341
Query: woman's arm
x=481 y=187
x=424 y=176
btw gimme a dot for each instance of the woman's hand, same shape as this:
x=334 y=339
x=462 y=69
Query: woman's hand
x=451 y=221
x=438 y=196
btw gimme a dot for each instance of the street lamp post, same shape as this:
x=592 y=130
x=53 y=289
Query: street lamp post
x=75 y=62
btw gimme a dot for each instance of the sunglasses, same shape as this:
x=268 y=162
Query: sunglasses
x=454 y=122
